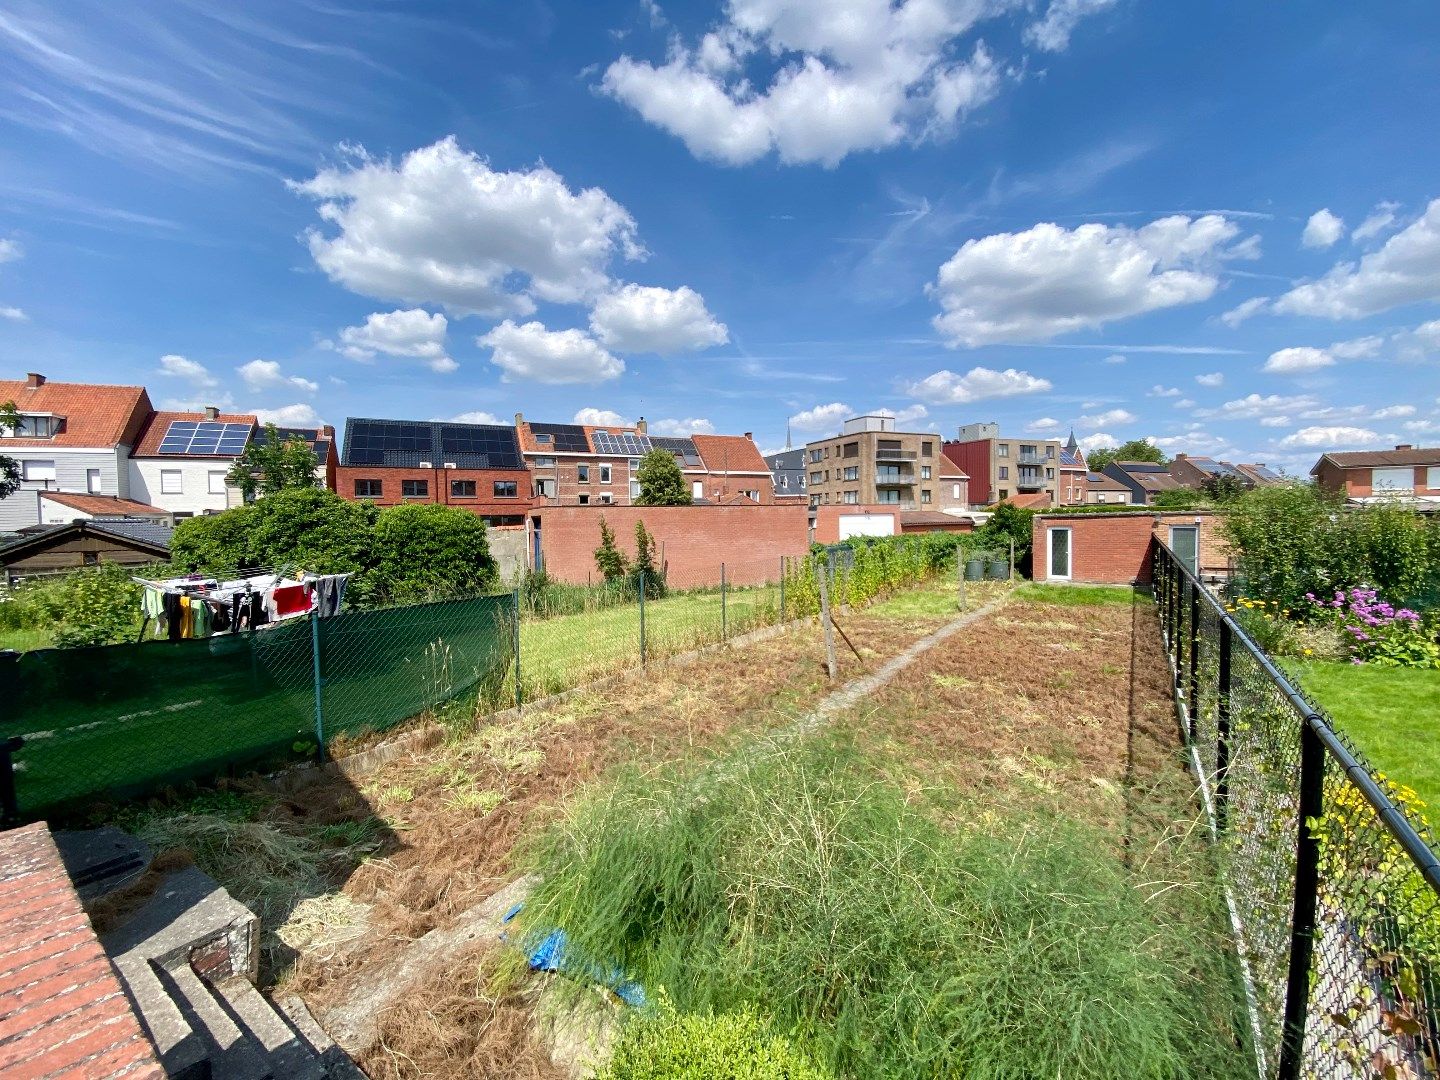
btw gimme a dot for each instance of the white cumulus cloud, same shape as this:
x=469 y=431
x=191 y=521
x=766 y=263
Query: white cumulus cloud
x=1376 y=222
x=10 y=250
x=192 y=371
x=530 y=351
x=440 y=226
x=816 y=80
x=1042 y=425
x=1322 y=230
x=646 y=319
x=1048 y=280
x=1097 y=441
x=1051 y=33
x=1297 y=359
x=1212 y=379
x=477 y=416
x=691 y=425
x=945 y=387
x=297 y=415
x=14 y=314
x=1405 y=270
x=600 y=418
x=822 y=417
x=265 y=374
x=1114 y=358
x=1330 y=438
x=1107 y=418
x=907 y=415
x=1163 y=391
x=411 y=332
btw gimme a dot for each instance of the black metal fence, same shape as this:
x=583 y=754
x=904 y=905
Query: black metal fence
x=1332 y=878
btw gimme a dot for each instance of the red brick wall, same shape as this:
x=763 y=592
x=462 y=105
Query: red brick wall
x=1115 y=549
x=827 y=519
x=62 y=1012
x=484 y=502
x=694 y=540
x=1356 y=483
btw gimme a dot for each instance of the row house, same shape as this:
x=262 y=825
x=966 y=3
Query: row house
x=598 y=465
x=108 y=445
x=1367 y=475
x=478 y=467
x=1144 y=480
x=1002 y=469
x=1193 y=471
x=871 y=464
x=788 y=474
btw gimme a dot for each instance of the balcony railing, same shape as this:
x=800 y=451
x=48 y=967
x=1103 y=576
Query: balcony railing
x=895 y=455
x=1034 y=459
x=894 y=480
x=1031 y=483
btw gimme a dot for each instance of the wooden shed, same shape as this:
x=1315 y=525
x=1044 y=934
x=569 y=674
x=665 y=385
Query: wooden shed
x=47 y=550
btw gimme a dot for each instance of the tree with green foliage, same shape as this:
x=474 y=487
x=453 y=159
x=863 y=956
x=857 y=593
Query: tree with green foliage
x=644 y=567
x=661 y=481
x=9 y=467
x=1007 y=522
x=98 y=605
x=270 y=465
x=1133 y=450
x=608 y=557
x=1281 y=536
x=1223 y=488
x=427 y=552
x=1176 y=499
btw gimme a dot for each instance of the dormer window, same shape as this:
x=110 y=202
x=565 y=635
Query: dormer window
x=36 y=426
x=543 y=438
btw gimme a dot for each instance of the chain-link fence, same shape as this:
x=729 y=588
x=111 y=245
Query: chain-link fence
x=1332 y=878
x=125 y=719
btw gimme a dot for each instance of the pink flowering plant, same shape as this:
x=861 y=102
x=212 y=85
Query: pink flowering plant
x=1375 y=632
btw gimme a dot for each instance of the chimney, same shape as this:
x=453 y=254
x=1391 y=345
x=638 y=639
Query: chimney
x=750 y=435
x=640 y=426
x=212 y=413
x=1181 y=456
x=328 y=431
x=34 y=380
x=519 y=419
x=1405 y=446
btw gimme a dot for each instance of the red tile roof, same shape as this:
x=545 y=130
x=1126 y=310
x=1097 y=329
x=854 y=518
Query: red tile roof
x=148 y=445
x=729 y=453
x=95 y=415
x=950 y=471
x=1034 y=501
x=103 y=505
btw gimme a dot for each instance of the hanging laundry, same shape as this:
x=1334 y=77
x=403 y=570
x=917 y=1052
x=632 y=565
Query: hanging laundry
x=289 y=600
x=174 y=616
x=199 y=618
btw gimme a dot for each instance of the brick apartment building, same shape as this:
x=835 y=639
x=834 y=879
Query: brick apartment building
x=475 y=466
x=1001 y=468
x=871 y=464
x=594 y=465
x=1405 y=472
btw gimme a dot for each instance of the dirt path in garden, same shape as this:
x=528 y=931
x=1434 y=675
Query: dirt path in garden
x=451 y=817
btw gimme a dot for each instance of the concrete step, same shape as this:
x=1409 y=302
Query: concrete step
x=337 y=1063
x=191 y=919
x=183 y=1052
x=234 y=1053
x=290 y=1056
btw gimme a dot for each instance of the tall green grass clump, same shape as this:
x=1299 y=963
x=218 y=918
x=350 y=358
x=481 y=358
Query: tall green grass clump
x=884 y=937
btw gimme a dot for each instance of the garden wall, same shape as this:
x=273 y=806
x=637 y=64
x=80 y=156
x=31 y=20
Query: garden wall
x=507 y=548
x=1116 y=549
x=836 y=523
x=693 y=540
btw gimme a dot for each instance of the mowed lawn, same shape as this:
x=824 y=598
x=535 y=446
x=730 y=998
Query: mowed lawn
x=1391 y=714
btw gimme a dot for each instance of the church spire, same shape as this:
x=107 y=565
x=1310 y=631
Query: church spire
x=1072 y=445
x=787 y=434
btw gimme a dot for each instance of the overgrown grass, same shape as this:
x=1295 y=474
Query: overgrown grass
x=887 y=932
x=1390 y=713
x=22 y=640
x=938 y=598
x=1077 y=595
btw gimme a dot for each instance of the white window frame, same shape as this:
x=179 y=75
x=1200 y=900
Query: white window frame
x=605 y=474
x=582 y=474
x=169 y=477
x=217 y=482
x=94 y=481
x=697 y=489
x=37 y=470
x=634 y=490
x=1407 y=484
x=1432 y=477
x=606 y=498
x=1069 y=574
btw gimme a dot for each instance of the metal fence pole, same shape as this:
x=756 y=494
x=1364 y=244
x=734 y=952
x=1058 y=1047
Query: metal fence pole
x=1179 y=620
x=782 y=588
x=1307 y=885
x=640 y=580
x=319 y=683
x=1222 y=727
x=724 y=613
x=519 y=699
x=1193 y=704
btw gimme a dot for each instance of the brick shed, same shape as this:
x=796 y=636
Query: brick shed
x=63 y=1015
x=835 y=523
x=749 y=539
x=1116 y=548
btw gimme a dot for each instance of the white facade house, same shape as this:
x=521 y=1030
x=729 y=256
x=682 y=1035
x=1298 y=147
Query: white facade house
x=181 y=460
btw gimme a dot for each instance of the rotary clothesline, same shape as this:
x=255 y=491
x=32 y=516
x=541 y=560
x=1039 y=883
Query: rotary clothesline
x=201 y=606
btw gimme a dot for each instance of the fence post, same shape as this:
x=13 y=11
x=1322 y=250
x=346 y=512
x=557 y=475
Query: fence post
x=1179 y=622
x=1012 y=559
x=640 y=579
x=724 y=613
x=1193 y=702
x=1222 y=727
x=1307 y=886
x=825 y=622
x=960 y=574
x=319 y=697
x=519 y=699
x=782 y=588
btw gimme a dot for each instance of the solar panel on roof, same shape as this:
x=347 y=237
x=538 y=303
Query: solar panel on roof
x=567 y=438
x=683 y=448
x=496 y=444
x=206 y=438
x=621 y=444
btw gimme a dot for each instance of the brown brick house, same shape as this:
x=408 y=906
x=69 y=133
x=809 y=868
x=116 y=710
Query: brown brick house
x=1405 y=472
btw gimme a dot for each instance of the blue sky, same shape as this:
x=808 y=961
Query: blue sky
x=1133 y=218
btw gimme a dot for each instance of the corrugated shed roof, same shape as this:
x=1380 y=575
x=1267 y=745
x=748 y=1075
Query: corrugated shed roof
x=95 y=415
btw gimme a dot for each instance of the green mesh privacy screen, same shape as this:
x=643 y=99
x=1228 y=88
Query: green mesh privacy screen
x=125 y=719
